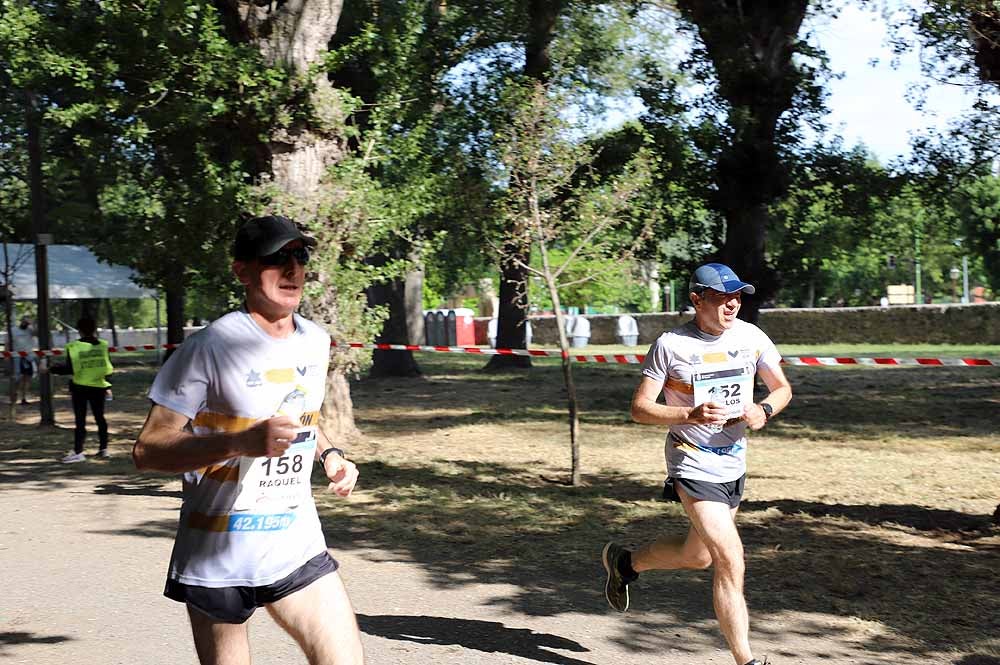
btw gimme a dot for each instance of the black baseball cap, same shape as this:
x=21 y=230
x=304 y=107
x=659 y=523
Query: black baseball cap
x=266 y=235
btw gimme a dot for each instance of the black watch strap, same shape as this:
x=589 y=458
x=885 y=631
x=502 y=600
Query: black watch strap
x=322 y=455
x=768 y=410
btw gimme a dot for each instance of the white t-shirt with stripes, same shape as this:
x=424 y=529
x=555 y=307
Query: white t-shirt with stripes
x=224 y=378
x=687 y=358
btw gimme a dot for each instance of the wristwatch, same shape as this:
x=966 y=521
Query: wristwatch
x=322 y=455
x=768 y=410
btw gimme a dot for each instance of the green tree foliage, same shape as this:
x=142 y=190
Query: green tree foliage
x=552 y=203
x=959 y=42
x=146 y=109
x=836 y=205
x=977 y=206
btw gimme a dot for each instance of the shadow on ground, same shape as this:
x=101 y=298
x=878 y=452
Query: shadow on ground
x=12 y=638
x=908 y=399
x=928 y=575
x=486 y=636
x=802 y=556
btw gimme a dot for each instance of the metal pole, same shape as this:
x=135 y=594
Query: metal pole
x=39 y=222
x=965 y=280
x=158 y=343
x=918 y=294
x=673 y=302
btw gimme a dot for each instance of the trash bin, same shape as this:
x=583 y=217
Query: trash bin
x=579 y=331
x=434 y=328
x=491 y=332
x=465 y=327
x=627 y=330
x=449 y=327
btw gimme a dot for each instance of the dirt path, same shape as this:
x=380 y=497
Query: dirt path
x=84 y=548
x=83 y=551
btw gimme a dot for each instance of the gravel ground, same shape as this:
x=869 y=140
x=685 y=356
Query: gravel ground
x=84 y=548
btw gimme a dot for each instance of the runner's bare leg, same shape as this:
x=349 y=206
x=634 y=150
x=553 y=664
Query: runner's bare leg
x=219 y=643
x=321 y=620
x=715 y=523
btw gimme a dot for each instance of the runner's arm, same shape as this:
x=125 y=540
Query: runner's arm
x=165 y=445
x=779 y=396
x=646 y=411
x=343 y=473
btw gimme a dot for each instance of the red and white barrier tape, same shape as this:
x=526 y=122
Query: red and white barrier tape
x=628 y=358
x=38 y=353
x=625 y=358
x=950 y=362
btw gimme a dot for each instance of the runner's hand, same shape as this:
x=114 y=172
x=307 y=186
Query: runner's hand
x=754 y=416
x=708 y=413
x=343 y=474
x=268 y=438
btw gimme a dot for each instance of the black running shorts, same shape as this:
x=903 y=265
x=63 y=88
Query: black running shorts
x=730 y=493
x=235 y=604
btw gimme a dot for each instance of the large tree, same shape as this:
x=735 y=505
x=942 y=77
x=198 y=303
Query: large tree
x=395 y=57
x=295 y=156
x=758 y=65
x=960 y=44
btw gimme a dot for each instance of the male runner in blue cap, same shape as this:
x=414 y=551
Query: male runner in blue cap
x=705 y=370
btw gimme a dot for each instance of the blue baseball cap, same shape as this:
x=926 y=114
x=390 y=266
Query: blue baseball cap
x=718 y=277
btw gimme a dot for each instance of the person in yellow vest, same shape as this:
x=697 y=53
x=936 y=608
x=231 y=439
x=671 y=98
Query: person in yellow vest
x=87 y=359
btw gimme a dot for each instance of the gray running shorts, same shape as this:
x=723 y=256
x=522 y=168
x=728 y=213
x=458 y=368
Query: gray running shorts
x=730 y=493
x=235 y=604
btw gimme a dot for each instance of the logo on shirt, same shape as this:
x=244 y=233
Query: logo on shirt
x=307 y=370
x=253 y=379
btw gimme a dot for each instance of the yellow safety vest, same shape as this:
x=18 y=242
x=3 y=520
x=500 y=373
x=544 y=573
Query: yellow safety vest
x=91 y=363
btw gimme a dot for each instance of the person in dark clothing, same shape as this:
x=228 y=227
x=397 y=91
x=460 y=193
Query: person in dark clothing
x=88 y=361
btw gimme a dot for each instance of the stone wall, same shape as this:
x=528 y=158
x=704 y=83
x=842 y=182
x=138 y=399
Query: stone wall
x=919 y=324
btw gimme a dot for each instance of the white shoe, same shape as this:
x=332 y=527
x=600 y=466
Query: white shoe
x=103 y=453
x=73 y=457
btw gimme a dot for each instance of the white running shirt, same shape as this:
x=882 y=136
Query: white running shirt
x=719 y=368
x=254 y=527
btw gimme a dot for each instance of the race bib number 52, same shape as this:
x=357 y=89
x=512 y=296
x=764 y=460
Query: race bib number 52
x=731 y=388
x=277 y=484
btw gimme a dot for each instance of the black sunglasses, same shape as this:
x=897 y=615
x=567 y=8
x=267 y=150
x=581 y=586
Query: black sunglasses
x=282 y=256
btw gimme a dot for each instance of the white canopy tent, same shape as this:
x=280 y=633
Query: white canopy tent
x=75 y=273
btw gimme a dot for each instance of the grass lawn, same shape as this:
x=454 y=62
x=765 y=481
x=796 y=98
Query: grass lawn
x=869 y=498
x=853 y=350
x=867 y=509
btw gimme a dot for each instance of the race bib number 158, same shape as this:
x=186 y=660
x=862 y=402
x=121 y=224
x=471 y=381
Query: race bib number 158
x=270 y=485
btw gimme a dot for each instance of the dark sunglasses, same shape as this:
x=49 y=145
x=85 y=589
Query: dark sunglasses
x=282 y=256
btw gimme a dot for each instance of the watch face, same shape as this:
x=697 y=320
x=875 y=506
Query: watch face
x=768 y=410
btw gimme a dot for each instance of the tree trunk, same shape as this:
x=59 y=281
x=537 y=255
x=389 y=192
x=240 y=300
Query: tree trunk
x=8 y=310
x=513 y=312
x=567 y=370
x=513 y=308
x=985 y=32
x=40 y=227
x=174 y=296
x=743 y=251
x=394 y=331
x=413 y=298
x=751 y=45
x=295 y=34
x=111 y=322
